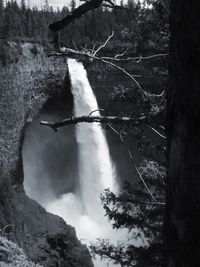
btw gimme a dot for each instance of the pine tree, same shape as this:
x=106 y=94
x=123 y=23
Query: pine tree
x=73 y=5
x=23 y=5
x=134 y=208
x=1 y=17
x=46 y=6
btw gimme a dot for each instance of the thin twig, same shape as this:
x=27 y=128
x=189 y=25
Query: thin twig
x=156 y=131
x=136 y=59
x=74 y=45
x=100 y=109
x=89 y=55
x=132 y=160
x=106 y=61
x=121 y=55
x=103 y=45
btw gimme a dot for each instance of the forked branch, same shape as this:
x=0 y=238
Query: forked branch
x=133 y=161
x=112 y=61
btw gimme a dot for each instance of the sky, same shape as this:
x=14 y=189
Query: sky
x=53 y=3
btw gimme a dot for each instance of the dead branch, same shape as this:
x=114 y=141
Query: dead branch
x=136 y=59
x=103 y=45
x=78 y=12
x=88 y=54
x=91 y=54
x=156 y=132
x=109 y=4
x=69 y=51
x=134 y=164
x=107 y=119
x=91 y=119
x=132 y=160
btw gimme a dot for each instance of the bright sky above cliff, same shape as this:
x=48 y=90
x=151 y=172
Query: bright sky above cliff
x=54 y=3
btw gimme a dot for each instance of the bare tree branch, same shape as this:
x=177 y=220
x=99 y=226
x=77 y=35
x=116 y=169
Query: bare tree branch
x=78 y=12
x=108 y=119
x=69 y=51
x=103 y=45
x=133 y=162
x=156 y=131
x=136 y=59
x=109 y=4
x=91 y=119
x=91 y=54
x=120 y=55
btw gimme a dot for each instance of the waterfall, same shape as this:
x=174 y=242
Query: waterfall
x=95 y=166
x=83 y=208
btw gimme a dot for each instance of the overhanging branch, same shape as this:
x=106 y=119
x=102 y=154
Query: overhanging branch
x=91 y=119
x=72 y=52
x=112 y=61
x=133 y=161
x=79 y=11
x=136 y=59
x=76 y=13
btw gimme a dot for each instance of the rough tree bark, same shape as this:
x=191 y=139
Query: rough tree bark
x=183 y=182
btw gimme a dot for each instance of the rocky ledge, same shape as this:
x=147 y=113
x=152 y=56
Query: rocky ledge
x=25 y=86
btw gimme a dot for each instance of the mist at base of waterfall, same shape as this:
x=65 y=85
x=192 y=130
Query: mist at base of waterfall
x=66 y=172
x=83 y=209
x=87 y=229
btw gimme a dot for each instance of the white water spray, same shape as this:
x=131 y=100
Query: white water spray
x=95 y=167
x=83 y=209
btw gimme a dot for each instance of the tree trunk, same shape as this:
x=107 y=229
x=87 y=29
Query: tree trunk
x=183 y=126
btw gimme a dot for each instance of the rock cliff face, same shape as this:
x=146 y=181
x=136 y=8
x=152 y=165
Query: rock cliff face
x=25 y=86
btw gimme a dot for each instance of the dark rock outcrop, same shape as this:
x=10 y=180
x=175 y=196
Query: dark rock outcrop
x=25 y=87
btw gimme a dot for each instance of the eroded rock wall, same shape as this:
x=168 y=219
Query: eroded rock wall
x=25 y=86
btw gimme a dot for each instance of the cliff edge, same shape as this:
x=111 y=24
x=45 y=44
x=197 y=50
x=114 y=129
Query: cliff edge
x=27 y=80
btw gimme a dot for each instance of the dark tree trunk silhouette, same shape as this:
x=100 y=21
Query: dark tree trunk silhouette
x=80 y=11
x=183 y=182
x=76 y=13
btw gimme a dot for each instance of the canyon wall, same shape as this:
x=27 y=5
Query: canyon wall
x=26 y=84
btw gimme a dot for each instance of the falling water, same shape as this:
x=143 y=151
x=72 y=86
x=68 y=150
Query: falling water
x=95 y=166
x=83 y=208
